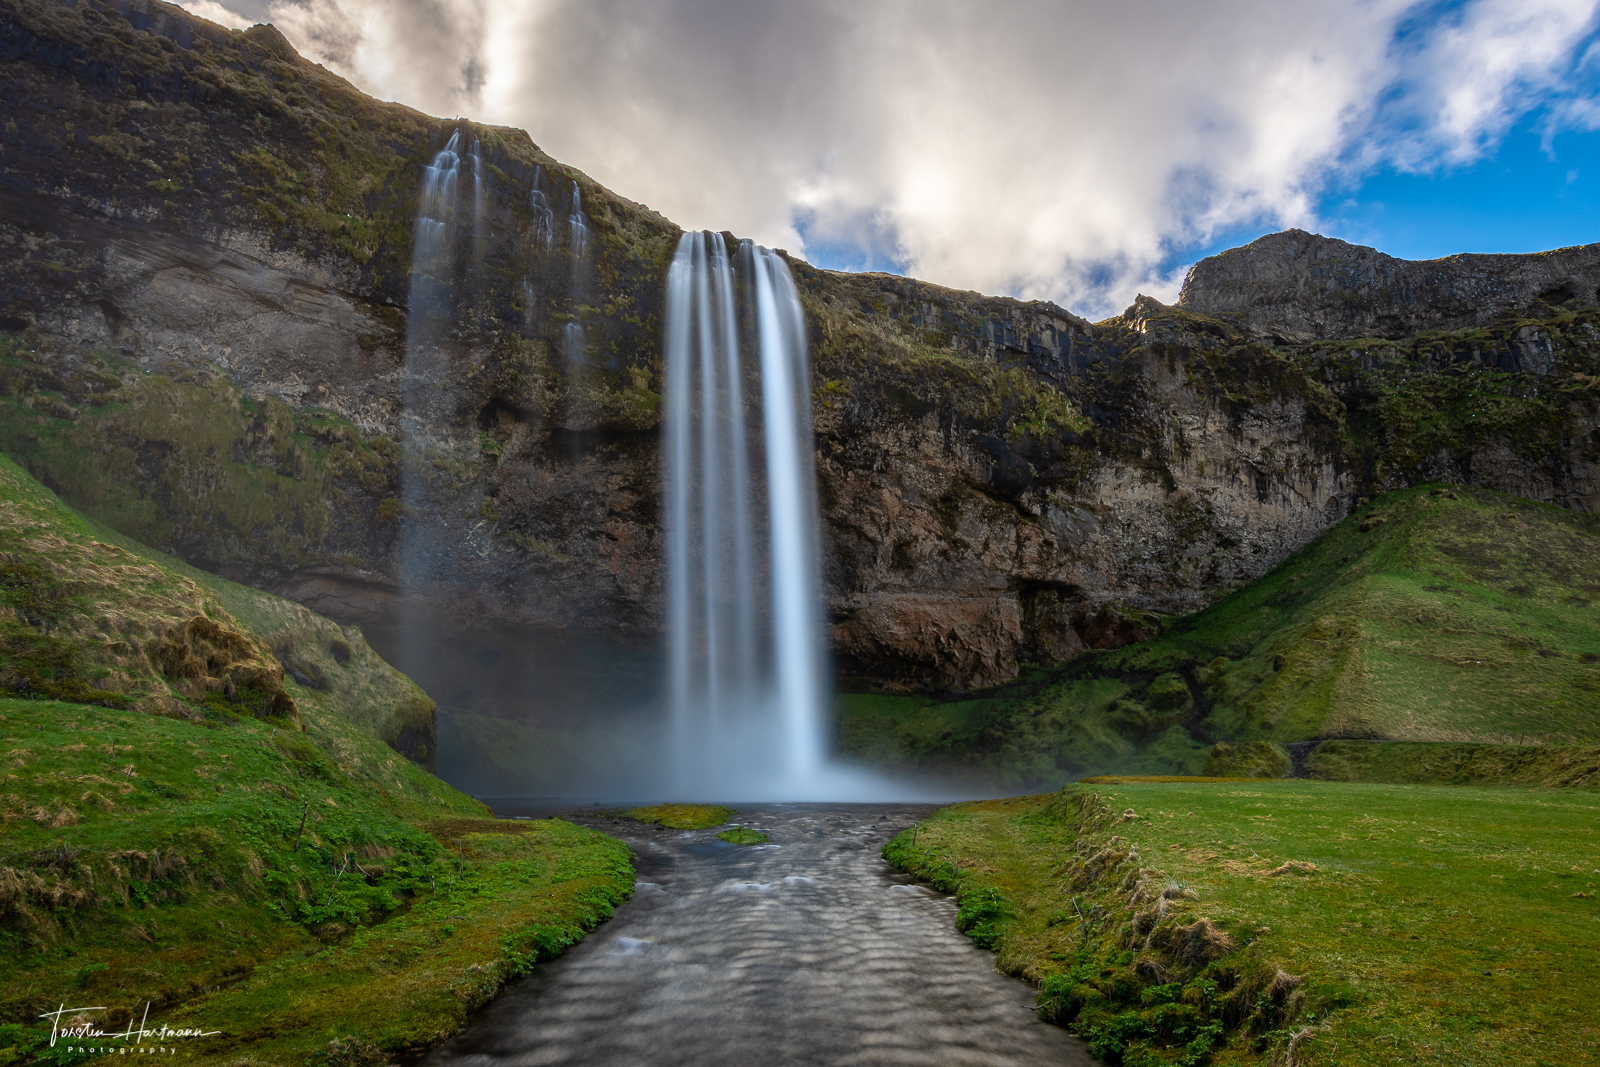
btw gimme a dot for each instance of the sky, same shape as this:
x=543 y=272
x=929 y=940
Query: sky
x=1075 y=151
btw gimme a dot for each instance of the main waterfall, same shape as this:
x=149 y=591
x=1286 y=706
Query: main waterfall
x=745 y=644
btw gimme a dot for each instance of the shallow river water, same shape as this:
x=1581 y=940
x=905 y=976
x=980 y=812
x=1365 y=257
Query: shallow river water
x=805 y=950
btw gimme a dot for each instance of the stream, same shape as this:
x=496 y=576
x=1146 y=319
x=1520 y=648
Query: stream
x=805 y=950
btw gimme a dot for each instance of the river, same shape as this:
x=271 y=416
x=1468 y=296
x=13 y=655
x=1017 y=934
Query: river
x=805 y=950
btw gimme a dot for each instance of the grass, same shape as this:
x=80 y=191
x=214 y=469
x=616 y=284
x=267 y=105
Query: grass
x=1434 y=614
x=519 y=893
x=169 y=874
x=90 y=615
x=1361 y=923
x=287 y=878
x=743 y=835
x=682 y=816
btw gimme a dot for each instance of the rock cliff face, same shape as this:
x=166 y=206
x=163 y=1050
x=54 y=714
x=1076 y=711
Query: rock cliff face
x=204 y=250
x=1296 y=287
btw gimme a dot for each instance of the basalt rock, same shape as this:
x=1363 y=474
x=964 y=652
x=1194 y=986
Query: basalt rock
x=204 y=246
x=1296 y=286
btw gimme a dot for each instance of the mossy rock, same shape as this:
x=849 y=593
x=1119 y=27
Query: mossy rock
x=682 y=816
x=1170 y=693
x=743 y=835
x=1249 y=759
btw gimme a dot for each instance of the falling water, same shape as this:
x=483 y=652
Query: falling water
x=446 y=251
x=437 y=210
x=572 y=339
x=572 y=344
x=544 y=216
x=577 y=226
x=743 y=589
x=449 y=214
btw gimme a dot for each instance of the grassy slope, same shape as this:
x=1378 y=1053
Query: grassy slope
x=164 y=869
x=1456 y=615
x=341 y=677
x=1374 y=954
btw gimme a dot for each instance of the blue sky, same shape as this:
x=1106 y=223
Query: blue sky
x=1523 y=197
x=1519 y=199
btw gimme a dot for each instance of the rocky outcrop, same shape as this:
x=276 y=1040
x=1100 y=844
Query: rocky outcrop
x=1296 y=287
x=204 y=298
x=1033 y=485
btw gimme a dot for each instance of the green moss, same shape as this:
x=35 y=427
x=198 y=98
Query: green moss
x=197 y=468
x=1249 y=759
x=275 y=877
x=743 y=835
x=1456 y=764
x=682 y=816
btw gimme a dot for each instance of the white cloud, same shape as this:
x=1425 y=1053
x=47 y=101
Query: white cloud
x=426 y=53
x=218 y=13
x=1048 y=149
x=1462 y=86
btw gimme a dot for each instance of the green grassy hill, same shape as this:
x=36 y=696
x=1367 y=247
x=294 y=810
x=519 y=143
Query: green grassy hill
x=187 y=824
x=1430 y=615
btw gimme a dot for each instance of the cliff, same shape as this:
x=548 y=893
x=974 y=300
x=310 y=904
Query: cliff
x=205 y=296
x=1431 y=616
x=1296 y=287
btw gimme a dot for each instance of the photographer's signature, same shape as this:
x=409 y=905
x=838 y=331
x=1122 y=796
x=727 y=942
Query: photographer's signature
x=80 y=1034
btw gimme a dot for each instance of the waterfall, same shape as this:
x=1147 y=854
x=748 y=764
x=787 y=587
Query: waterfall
x=432 y=245
x=572 y=339
x=745 y=653
x=446 y=255
x=572 y=344
x=544 y=216
x=577 y=226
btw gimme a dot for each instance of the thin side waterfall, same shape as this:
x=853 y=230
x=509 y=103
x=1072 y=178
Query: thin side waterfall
x=544 y=216
x=744 y=620
x=447 y=250
x=572 y=339
x=572 y=344
x=438 y=211
x=541 y=240
x=577 y=225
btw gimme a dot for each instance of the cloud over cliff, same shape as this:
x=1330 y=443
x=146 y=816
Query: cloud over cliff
x=1044 y=149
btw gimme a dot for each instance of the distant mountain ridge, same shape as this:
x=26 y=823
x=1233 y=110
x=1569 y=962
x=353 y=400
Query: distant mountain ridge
x=1297 y=287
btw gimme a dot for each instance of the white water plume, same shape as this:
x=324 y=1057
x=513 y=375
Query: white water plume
x=746 y=660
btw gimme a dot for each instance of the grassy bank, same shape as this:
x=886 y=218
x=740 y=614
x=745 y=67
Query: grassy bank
x=169 y=874
x=207 y=809
x=1435 y=614
x=1357 y=923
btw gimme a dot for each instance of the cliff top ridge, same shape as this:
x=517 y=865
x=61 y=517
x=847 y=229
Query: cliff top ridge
x=1295 y=286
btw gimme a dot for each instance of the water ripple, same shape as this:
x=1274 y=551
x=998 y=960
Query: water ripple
x=725 y=956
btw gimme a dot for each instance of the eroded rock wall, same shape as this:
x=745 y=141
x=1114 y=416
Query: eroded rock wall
x=1295 y=286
